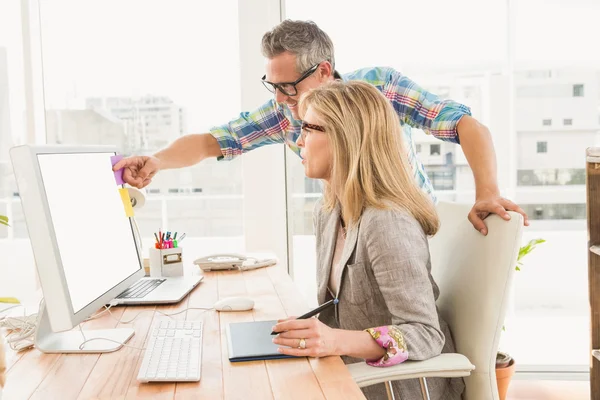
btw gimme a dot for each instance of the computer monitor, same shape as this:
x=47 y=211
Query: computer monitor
x=85 y=247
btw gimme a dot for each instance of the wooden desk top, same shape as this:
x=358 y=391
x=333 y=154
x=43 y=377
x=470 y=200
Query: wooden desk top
x=34 y=375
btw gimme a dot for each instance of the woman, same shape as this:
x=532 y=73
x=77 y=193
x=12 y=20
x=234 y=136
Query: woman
x=371 y=229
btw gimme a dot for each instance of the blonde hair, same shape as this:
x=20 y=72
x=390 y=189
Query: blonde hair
x=370 y=166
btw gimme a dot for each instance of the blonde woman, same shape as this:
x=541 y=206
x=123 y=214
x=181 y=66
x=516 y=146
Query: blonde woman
x=371 y=229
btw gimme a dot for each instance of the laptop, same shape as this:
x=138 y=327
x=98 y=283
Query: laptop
x=158 y=290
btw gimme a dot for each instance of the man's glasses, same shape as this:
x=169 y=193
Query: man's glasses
x=307 y=128
x=288 y=88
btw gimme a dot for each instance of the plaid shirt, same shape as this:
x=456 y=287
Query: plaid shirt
x=417 y=108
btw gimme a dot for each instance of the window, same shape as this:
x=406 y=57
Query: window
x=131 y=105
x=537 y=308
x=450 y=77
x=442 y=178
x=538 y=88
x=555 y=211
x=568 y=121
x=13 y=239
x=550 y=177
x=542 y=147
x=578 y=90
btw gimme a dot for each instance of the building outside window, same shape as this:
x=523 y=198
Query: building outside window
x=542 y=147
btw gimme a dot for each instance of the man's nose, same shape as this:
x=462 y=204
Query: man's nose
x=280 y=97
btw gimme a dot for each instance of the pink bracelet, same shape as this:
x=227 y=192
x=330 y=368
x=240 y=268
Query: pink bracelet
x=391 y=339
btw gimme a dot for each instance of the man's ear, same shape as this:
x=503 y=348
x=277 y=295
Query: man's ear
x=325 y=70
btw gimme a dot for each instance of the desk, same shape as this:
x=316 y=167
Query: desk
x=34 y=375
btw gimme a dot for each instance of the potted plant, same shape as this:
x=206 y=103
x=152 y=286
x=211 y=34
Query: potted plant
x=505 y=364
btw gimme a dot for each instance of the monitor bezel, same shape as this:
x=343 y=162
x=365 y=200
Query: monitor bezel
x=43 y=239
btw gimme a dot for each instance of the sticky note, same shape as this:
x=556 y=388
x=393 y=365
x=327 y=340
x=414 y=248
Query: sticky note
x=119 y=172
x=126 y=202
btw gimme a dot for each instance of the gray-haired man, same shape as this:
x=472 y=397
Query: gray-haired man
x=300 y=57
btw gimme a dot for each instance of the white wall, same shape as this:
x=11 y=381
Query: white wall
x=552 y=98
x=565 y=149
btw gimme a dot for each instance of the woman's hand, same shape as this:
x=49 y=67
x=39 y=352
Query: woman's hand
x=319 y=339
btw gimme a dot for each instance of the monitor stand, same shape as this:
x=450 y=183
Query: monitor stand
x=48 y=341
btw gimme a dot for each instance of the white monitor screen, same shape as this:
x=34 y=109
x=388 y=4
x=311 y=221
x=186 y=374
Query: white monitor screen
x=95 y=238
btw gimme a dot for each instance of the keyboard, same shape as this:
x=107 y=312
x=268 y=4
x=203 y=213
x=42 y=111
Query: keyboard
x=173 y=353
x=140 y=288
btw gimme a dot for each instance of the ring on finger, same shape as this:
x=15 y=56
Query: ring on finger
x=302 y=344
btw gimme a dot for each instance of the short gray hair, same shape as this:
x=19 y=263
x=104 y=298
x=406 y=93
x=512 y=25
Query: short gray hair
x=304 y=39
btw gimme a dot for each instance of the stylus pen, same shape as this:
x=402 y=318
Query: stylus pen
x=314 y=312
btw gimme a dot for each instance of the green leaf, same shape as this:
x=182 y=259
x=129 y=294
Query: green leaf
x=526 y=249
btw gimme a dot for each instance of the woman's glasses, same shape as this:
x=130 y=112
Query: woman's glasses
x=307 y=128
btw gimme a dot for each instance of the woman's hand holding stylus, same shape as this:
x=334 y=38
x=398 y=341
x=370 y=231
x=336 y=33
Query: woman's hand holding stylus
x=306 y=338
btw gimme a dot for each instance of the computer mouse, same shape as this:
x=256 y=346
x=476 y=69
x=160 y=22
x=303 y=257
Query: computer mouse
x=234 y=304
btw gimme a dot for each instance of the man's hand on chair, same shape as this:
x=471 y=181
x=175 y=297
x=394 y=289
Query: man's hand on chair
x=492 y=204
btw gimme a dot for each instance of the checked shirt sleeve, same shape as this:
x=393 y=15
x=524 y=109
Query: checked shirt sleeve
x=424 y=110
x=251 y=130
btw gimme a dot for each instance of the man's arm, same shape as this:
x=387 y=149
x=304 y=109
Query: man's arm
x=476 y=142
x=189 y=150
x=451 y=121
x=249 y=131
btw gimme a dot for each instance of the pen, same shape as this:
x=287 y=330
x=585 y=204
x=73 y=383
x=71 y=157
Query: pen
x=181 y=238
x=175 y=236
x=156 y=237
x=315 y=311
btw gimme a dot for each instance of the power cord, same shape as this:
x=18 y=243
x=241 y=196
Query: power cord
x=82 y=345
x=21 y=330
x=107 y=309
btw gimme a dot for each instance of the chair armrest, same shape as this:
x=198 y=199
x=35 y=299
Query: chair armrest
x=447 y=365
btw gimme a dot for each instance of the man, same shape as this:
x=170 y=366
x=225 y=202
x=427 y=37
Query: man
x=300 y=57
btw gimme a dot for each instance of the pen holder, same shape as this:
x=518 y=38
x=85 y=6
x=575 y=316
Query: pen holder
x=166 y=262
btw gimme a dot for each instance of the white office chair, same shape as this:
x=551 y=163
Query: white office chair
x=474 y=274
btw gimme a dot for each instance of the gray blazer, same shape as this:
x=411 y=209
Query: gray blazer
x=386 y=281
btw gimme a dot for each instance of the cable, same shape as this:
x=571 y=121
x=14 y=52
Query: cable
x=10 y=307
x=82 y=345
x=91 y=317
x=107 y=309
x=21 y=329
x=155 y=311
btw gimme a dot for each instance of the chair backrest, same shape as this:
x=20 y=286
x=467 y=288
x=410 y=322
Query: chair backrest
x=474 y=273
